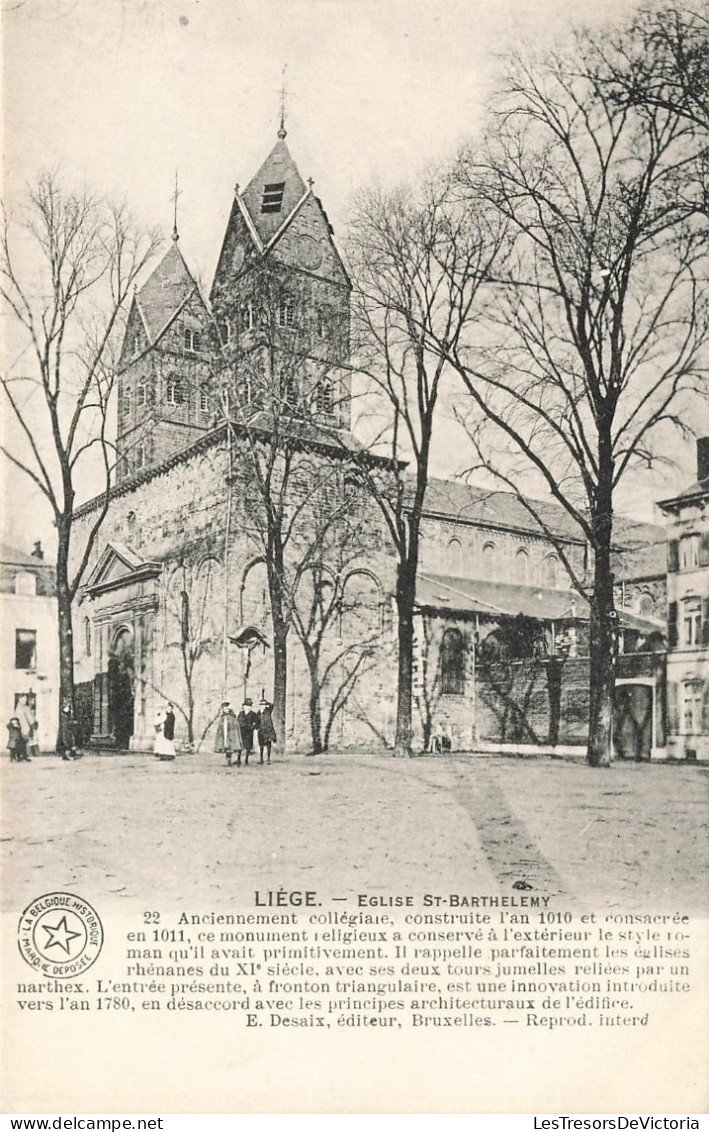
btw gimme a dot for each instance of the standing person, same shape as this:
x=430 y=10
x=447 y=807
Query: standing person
x=70 y=735
x=164 y=748
x=168 y=729
x=266 y=731
x=248 y=722
x=15 y=744
x=28 y=729
x=227 y=740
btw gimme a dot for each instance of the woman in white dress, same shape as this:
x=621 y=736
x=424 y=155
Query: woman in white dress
x=164 y=748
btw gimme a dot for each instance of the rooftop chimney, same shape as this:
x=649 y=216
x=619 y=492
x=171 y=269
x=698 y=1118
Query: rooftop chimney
x=38 y=552
x=703 y=459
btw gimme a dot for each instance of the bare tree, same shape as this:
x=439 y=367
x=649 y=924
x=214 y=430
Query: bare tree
x=597 y=342
x=661 y=61
x=419 y=261
x=67 y=263
x=339 y=648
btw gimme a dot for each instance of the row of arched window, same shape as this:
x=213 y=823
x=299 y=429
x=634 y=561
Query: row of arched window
x=494 y=563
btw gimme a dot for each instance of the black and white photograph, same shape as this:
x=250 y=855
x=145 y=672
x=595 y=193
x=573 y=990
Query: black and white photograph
x=354 y=570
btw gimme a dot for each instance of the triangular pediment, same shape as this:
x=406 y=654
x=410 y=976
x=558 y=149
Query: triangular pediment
x=119 y=565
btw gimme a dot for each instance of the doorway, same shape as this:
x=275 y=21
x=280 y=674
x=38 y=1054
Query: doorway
x=121 y=681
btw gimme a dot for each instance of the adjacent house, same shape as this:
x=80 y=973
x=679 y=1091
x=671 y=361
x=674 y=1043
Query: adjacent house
x=688 y=615
x=29 y=658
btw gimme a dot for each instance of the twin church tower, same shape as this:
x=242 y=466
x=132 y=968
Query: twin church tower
x=271 y=338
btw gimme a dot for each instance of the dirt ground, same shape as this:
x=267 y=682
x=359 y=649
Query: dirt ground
x=193 y=833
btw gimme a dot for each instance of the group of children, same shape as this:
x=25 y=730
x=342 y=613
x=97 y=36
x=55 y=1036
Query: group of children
x=22 y=731
x=235 y=733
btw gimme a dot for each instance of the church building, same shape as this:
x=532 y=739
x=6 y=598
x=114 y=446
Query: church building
x=235 y=453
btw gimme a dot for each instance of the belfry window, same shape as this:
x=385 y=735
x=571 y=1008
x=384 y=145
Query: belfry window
x=286 y=314
x=175 y=396
x=193 y=340
x=324 y=398
x=273 y=196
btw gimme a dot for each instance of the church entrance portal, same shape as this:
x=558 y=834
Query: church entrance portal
x=121 y=682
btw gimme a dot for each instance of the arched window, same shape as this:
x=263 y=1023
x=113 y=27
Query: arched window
x=646 y=606
x=550 y=571
x=455 y=556
x=193 y=340
x=522 y=565
x=489 y=556
x=452 y=663
x=184 y=617
x=324 y=398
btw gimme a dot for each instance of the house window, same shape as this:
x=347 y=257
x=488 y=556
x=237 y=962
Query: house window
x=142 y=394
x=247 y=316
x=25 y=584
x=522 y=565
x=324 y=398
x=286 y=314
x=224 y=328
x=193 y=340
x=203 y=400
x=87 y=636
x=692 y=695
x=321 y=324
x=273 y=196
x=175 y=395
x=126 y=407
x=25 y=648
x=692 y=621
x=452 y=663
x=550 y=571
x=140 y=456
x=689 y=551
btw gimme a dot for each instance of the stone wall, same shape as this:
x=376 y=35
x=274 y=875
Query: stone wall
x=182 y=520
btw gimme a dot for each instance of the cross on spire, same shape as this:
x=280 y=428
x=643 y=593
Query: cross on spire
x=282 y=130
x=174 y=198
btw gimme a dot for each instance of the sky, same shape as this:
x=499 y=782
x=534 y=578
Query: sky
x=118 y=94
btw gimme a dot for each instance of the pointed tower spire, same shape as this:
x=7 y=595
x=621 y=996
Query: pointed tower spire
x=282 y=130
x=174 y=198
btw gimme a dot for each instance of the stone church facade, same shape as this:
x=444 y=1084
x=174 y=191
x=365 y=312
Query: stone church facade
x=176 y=603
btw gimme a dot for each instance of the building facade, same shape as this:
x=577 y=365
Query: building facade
x=688 y=614
x=29 y=660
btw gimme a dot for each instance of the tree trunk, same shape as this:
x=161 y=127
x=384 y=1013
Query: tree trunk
x=315 y=714
x=603 y=638
x=405 y=597
x=66 y=638
x=280 y=679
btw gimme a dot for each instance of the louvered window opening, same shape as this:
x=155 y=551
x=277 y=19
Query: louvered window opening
x=273 y=197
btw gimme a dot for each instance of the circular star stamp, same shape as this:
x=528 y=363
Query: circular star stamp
x=60 y=935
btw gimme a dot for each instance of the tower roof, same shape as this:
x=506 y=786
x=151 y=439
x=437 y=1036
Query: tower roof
x=165 y=292
x=273 y=193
